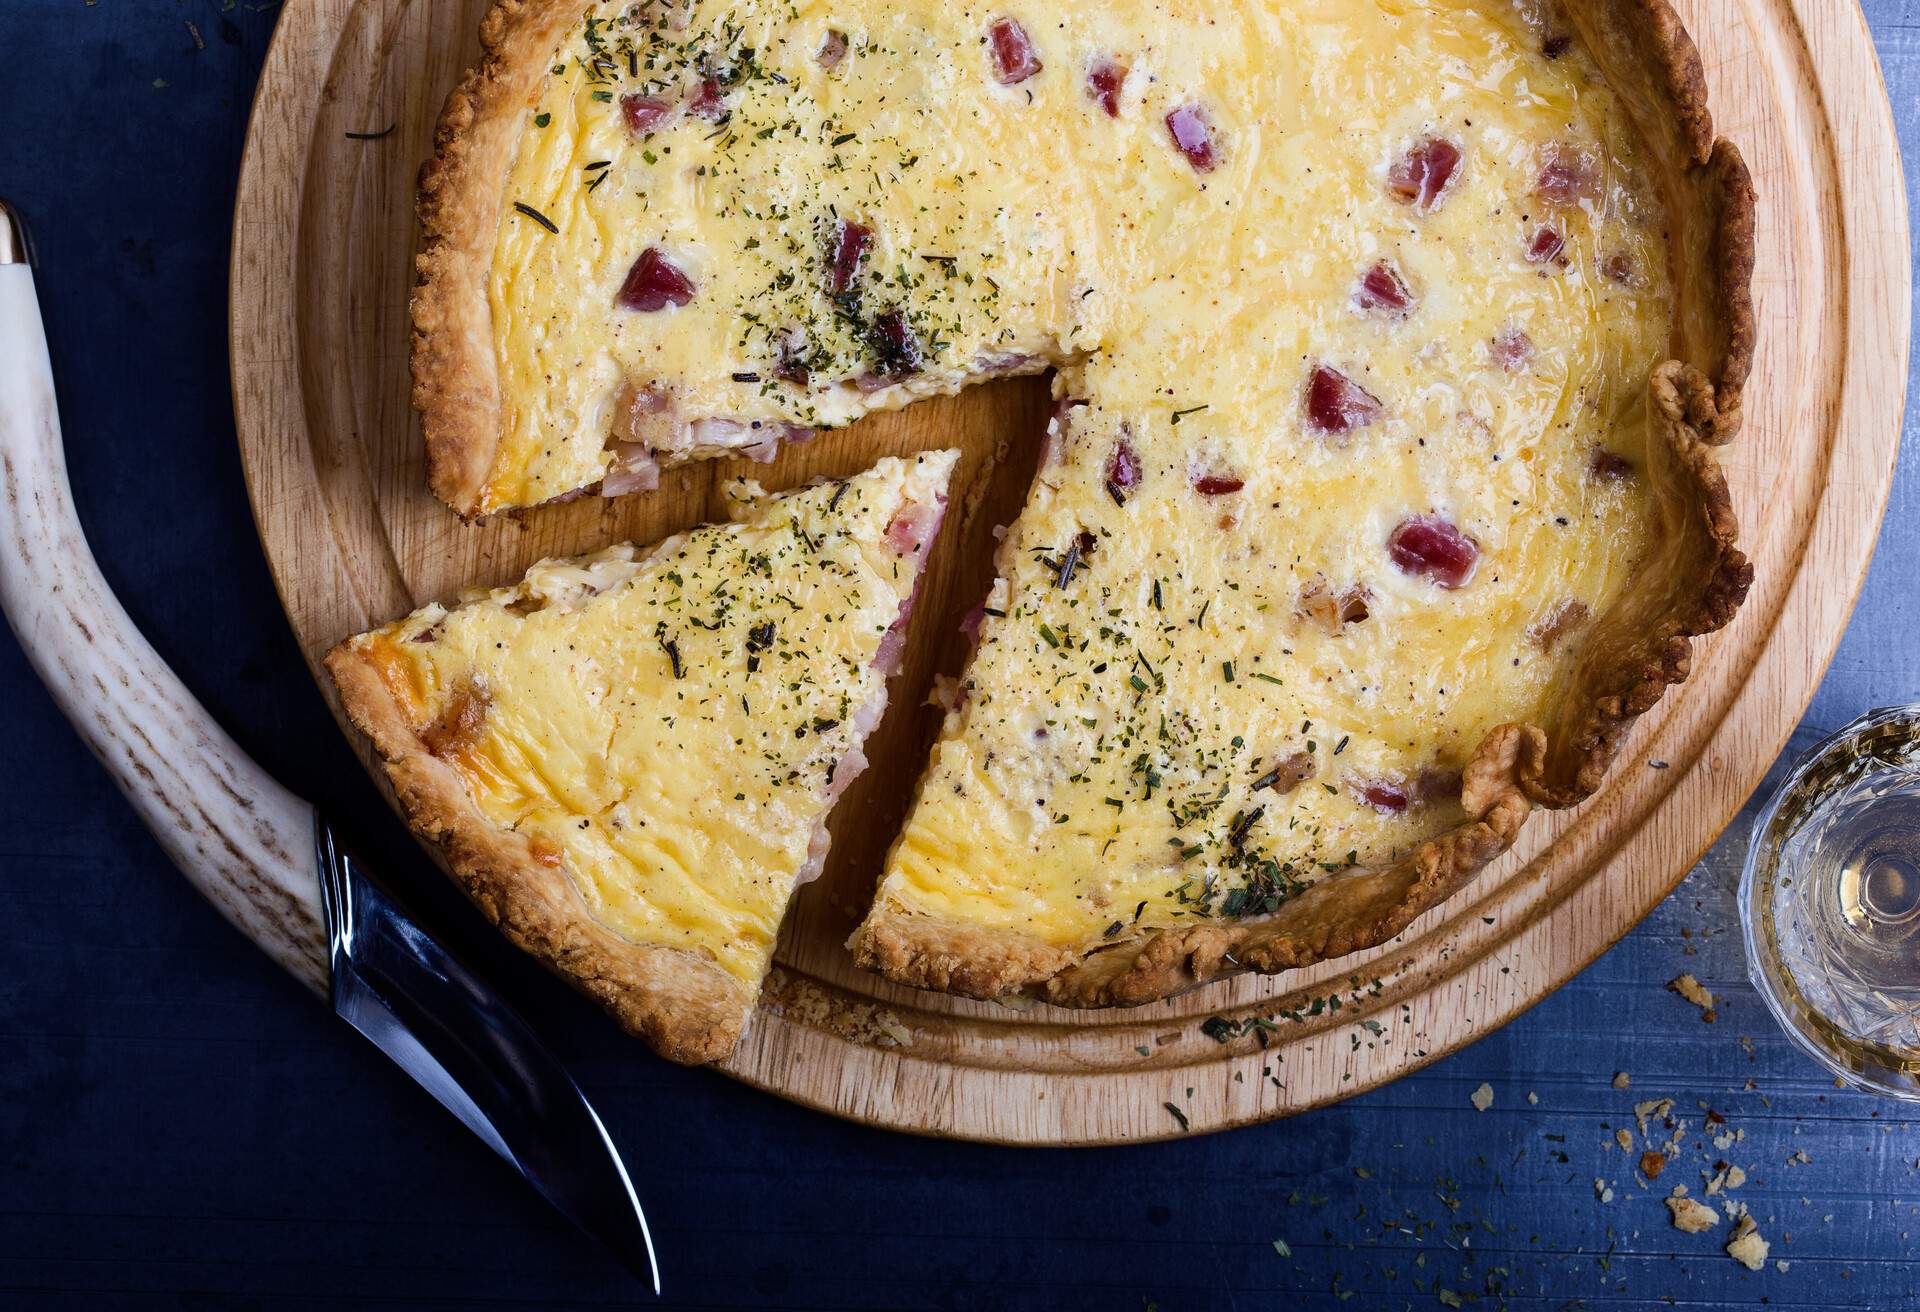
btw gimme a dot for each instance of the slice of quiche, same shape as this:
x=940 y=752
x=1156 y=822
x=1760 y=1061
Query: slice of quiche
x=628 y=759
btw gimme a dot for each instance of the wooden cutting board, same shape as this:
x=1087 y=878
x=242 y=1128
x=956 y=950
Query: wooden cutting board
x=323 y=242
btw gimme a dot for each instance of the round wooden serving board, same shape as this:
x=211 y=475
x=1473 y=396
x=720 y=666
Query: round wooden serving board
x=322 y=262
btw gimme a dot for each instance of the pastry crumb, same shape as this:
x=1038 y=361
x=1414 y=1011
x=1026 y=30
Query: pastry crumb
x=1691 y=1215
x=1695 y=992
x=799 y=999
x=1482 y=1097
x=1730 y=1178
x=1601 y=1191
x=1747 y=1247
x=1652 y=1163
x=1622 y=1080
x=1624 y=1137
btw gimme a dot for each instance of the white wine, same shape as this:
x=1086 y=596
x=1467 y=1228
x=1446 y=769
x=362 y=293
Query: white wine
x=1830 y=901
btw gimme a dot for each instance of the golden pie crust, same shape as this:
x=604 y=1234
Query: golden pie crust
x=636 y=748
x=679 y=1001
x=1633 y=654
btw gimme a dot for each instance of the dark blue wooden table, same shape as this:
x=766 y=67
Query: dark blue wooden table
x=180 y=1126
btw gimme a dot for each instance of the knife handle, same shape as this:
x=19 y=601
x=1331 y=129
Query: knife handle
x=239 y=837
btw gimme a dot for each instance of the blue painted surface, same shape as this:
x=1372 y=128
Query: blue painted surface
x=180 y=1127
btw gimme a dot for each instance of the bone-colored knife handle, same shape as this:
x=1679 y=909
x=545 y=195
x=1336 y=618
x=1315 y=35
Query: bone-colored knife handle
x=244 y=841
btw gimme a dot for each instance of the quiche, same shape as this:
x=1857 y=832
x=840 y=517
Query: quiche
x=1392 y=341
x=629 y=758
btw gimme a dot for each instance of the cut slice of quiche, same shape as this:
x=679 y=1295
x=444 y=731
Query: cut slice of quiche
x=1393 y=340
x=628 y=759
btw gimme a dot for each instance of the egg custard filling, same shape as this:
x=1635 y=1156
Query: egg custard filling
x=631 y=756
x=1390 y=339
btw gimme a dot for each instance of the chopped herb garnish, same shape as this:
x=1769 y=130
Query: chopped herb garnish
x=1178 y=1115
x=1178 y=415
x=536 y=216
x=1052 y=638
x=1068 y=564
x=1226 y=668
x=386 y=131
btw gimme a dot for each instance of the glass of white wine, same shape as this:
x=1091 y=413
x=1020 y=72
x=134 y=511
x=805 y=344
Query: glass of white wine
x=1830 y=903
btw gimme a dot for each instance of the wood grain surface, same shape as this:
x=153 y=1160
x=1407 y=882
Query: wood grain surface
x=323 y=239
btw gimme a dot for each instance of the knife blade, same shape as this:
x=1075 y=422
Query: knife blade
x=460 y=1042
x=260 y=854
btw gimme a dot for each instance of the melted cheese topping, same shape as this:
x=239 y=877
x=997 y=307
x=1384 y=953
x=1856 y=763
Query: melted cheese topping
x=1113 y=761
x=667 y=727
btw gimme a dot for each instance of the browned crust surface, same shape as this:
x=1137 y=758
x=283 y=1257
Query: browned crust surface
x=683 y=1004
x=1340 y=914
x=456 y=386
x=1635 y=652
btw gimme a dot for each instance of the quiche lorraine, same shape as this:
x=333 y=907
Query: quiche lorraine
x=629 y=758
x=1391 y=341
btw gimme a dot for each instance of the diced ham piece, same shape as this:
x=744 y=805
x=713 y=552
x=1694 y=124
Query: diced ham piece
x=1568 y=175
x=644 y=114
x=851 y=242
x=1609 y=466
x=1546 y=245
x=1287 y=774
x=1511 y=348
x=1337 y=404
x=1421 y=177
x=833 y=49
x=1014 y=60
x=896 y=350
x=1382 y=288
x=1104 y=80
x=1387 y=796
x=1217 y=485
x=970 y=622
x=643 y=414
x=914 y=527
x=1123 y=466
x=1192 y=133
x=632 y=469
x=1430 y=547
x=653 y=283
x=708 y=102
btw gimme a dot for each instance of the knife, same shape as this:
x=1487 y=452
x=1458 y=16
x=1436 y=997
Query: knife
x=266 y=859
